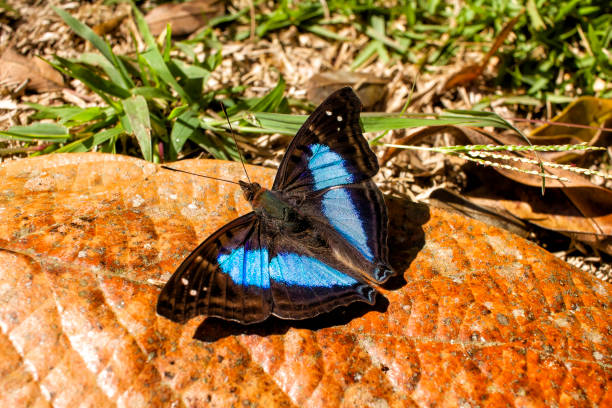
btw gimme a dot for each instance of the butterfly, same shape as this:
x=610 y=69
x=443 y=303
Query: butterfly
x=315 y=241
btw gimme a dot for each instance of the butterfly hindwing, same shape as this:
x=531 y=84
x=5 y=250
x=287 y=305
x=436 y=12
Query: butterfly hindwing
x=329 y=149
x=307 y=280
x=225 y=276
x=355 y=217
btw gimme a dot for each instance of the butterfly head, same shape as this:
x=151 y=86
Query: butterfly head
x=250 y=190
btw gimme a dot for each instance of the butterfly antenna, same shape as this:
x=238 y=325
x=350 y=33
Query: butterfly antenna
x=235 y=141
x=199 y=175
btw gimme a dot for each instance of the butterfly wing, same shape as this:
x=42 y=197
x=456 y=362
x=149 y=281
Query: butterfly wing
x=306 y=279
x=329 y=149
x=354 y=217
x=247 y=270
x=328 y=167
x=225 y=276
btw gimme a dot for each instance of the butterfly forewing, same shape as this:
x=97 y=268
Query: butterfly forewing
x=329 y=149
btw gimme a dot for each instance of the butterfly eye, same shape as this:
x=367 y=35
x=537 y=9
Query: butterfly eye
x=249 y=190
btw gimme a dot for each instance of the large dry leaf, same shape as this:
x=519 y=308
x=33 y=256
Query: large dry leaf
x=15 y=69
x=482 y=319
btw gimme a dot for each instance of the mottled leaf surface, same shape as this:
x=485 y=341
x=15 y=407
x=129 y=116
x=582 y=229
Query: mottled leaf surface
x=483 y=319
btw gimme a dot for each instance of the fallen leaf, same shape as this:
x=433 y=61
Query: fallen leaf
x=185 y=18
x=370 y=89
x=480 y=315
x=480 y=210
x=588 y=115
x=471 y=72
x=15 y=69
x=109 y=26
x=577 y=207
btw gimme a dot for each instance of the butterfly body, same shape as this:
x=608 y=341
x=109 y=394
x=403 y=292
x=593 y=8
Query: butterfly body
x=271 y=207
x=313 y=242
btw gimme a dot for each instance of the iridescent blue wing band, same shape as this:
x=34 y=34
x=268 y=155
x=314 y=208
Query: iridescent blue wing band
x=244 y=273
x=303 y=286
x=355 y=218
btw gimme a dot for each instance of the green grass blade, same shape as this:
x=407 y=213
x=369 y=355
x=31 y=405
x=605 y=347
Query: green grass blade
x=150 y=92
x=99 y=85
x=86 y=144
x=371 y=122
x=137 y=115
x=184 y=127
x=154 y=57
x=325 y=33
x=88 y=34
x=374 y=122
x=156 y=62
x=143 y=27
x=279 y=122
x=113 y=74
x=37 y=131
x=272 y=100
x=365 y=54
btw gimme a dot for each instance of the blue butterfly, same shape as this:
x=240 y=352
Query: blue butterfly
x=313 y=242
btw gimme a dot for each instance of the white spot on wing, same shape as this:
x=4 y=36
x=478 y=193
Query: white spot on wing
x=338 y=129
x=184 y=281
x=339 y=118
x=193 y=292
x=328 y=113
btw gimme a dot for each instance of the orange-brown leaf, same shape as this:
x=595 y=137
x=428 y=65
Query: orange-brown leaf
x=483 y=317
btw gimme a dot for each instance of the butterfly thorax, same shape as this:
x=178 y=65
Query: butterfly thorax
x=273 y=208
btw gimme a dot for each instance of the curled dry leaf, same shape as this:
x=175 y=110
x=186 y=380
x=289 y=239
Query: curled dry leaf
x=590 y=114
x=578 y=208
x=15 y=69
x=370 y=89
x=478 y=210
x=482 y=318
x=469 y=73
x=185 y=18
x=110 y=25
